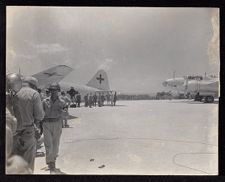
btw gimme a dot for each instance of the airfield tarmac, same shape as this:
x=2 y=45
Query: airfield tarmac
x=152 y=137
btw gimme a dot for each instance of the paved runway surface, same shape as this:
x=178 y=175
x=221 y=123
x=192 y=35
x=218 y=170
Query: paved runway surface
x=176 y=137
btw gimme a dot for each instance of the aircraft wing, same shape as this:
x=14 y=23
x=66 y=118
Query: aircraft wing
x=52 y=75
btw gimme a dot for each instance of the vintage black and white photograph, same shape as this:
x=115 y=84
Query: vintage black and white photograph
x=112 y=90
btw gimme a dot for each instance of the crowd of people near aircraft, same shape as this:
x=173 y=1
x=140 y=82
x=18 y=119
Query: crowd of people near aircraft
x=100 y=99
x=35 y=116
x=74 y=99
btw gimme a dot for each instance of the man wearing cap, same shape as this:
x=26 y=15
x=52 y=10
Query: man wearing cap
x=29 y=112
x=52 y=126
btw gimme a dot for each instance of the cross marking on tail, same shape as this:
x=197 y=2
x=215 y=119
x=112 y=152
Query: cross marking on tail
x=51 y=74
x=100 y=78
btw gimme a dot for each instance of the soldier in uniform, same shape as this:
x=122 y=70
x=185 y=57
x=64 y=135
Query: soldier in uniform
x=14 y=164
x=99 y=100
x=95 y=99
x=114 y=99
x=29 y=112
x=102 y=99
x=90 y=100
x=52 y=126
x=66 y=113
x=72 y=92
x=111 y=98
x=108 y=98
x=78 y=99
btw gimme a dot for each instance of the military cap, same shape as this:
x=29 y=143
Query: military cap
x=54 y=86
x=31 y=80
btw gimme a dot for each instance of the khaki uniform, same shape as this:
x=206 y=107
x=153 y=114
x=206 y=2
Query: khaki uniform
x=28 y=109
x=52 y=127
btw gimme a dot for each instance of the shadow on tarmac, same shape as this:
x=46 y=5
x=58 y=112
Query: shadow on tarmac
x=71 y=117
x=216 y=102
x=119 y=105
x=193 y=102
x=67 y=127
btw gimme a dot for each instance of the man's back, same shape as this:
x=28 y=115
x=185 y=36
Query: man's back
x=28 y=107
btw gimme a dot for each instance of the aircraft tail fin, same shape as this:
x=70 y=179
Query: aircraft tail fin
x=99 y=81
x=52 y=75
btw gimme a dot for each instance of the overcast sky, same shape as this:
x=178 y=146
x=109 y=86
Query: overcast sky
x=138 y=47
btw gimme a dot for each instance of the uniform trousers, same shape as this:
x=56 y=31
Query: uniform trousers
x=24 y=145
x=52 y=131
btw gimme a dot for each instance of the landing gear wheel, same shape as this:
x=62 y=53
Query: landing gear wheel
x=198 y=98
x=209 y=99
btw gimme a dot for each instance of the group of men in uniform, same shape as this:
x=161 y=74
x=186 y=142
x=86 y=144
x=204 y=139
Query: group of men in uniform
x=92 y=100
x=27 y=116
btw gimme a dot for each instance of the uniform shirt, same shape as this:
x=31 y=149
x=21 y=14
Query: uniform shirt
x=90 y=98
x=78 y=97
x=53 y=109
x=27 y=107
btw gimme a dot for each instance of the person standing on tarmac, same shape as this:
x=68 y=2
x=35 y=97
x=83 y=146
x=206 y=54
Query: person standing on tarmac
x=102 y=99
x=14 y=164
x=86 y=100
x=52 y=126
x=28 y=112
x=78 y=99
x=111 y=98
x=90 y=100
x=72 y=92
x=66 y=113
x=108 y=98
x=94 y=99
x=114 y=99
x=99 y=100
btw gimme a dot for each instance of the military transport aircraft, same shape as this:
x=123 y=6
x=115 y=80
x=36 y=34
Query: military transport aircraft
x=98 y=83
x=52 y=75
x=200 y=88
